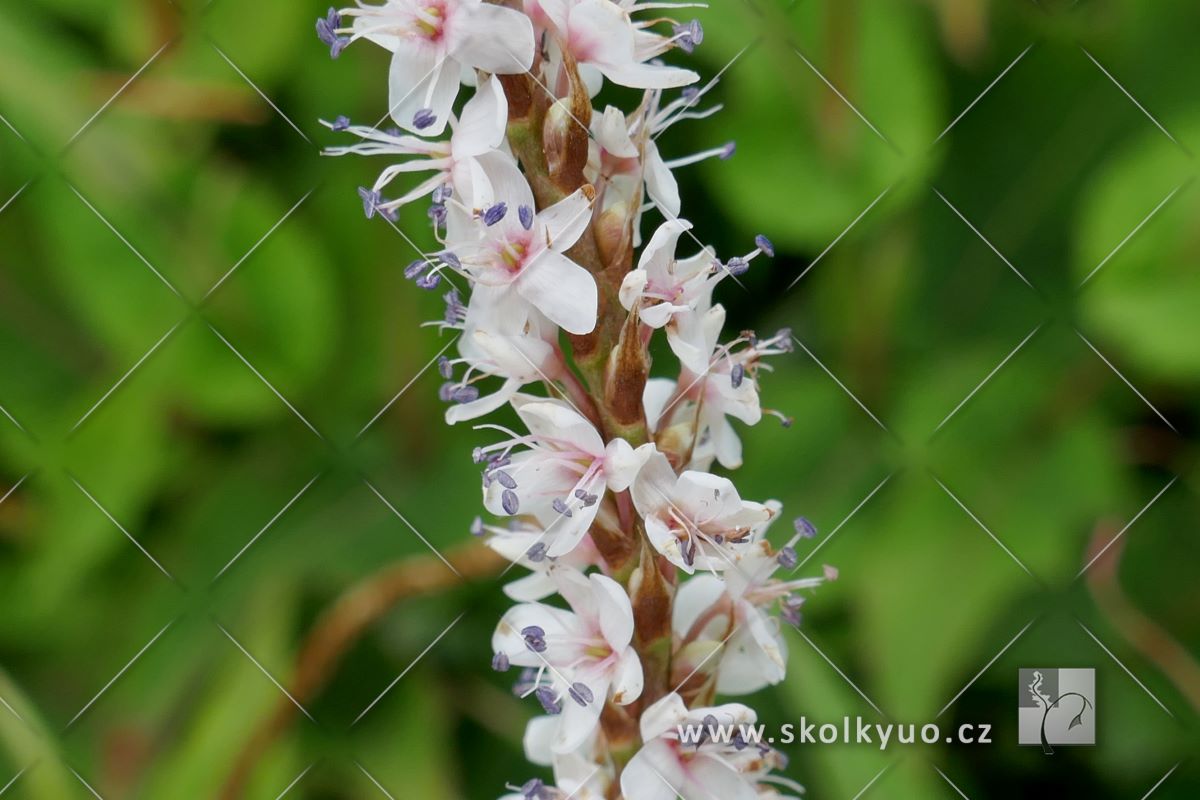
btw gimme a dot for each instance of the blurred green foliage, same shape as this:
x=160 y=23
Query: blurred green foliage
x=155 y=312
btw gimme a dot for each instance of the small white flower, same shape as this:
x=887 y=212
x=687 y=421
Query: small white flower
x=527 y=544
x=604 y=41
x=696 y=520
x=707 y=608
x=582 y=657
x=509 y=246
x=517 y=344
x=563 y=475
x=469 y=162
x=432 y=42
x=667 y=768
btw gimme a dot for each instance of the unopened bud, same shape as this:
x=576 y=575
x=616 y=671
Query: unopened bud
x=613 y=233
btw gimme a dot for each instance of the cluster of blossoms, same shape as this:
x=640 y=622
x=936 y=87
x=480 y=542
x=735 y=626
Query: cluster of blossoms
x=667 y=589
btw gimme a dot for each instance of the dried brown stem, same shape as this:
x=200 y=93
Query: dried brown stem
x=341 y=626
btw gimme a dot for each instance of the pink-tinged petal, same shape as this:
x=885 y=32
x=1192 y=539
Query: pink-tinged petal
x=578 y=723
x=622 y=463
x=659 y=252
x=614 y=611
x=706 y=496
x=655 y=396
x=491 y=38
x=662 y=716
x=628 y=679
x=632 y=287
x=652 y=774
x=709 y=777
x=695 y=597
x=686 y=336
x=534 y=586
x=496 y=178
x=486 y=404
x=538 y=740
x=746 y=668
x=557 y=421
x=660 y=183
x=562 y=290
x=726 y=444
x=569 y=531
x=482 y=125
x=647 y=76
x=612 y=133
x=561 y=225
x=422 y=77
x=555 y=622
x=576 y=589
x=664 y=541
x=659 y=314
x=654 y=485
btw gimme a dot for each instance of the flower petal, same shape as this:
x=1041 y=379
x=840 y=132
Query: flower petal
x=561 y=225
x=482 y=125
x=562 y=290
x=422 y=77
x=491 y=38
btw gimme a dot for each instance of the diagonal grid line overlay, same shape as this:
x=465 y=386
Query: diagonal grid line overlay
x=407 y=669
x=117 y=677
x=406 y=387
x=953 y=785
x=1127 y=670
x=1135 y=101
x=847 y=102
x=13 y=780
x=826 y=539
x=258 y=244
x=372 y=779
x=117 y=94
x=843 y=387
x=839 y=671
x=295 y=780
x=989 y=376
x=259 y=91
x=1128 y=525
x=86 y=785
x=1161 y=780
x=985 y=528
x=411 y=527
x=268 y=384
x=871 y=782
x=1133 y=232
x=264 y=528
x=980 y=96
x=987 y=666
x=122 y=528
x=840 y=236
x=264 y=671
x=984 y=239
x=1126 y=381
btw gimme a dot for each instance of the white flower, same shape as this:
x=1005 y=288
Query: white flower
x=583 y=656
x=511 y=247
x=706 y=608
x=676 y=293
x=696 y=520
x=625 y=157
x=667 y=768
x=468 y=162
x=526 y=544
x=564 y=474
x=517 y=344
x=698 y=408
x=604 y=41
x=432 y=42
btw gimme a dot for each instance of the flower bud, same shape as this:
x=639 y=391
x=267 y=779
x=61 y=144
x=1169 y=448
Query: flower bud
x=613 y=234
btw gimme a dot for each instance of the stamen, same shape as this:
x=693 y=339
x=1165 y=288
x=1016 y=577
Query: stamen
x=500 y=662
x=549 y=702
x=424 y=118
x=787 y=557
x=736 y=375
x=764 y=244
x=804 y=527
x=561 y=507
x=581 y=694
x=537 y=553
x=341 y=123
x=510 y=502
x=494 y=214
x=689 y=35
x=477 y=526
x=525 y=214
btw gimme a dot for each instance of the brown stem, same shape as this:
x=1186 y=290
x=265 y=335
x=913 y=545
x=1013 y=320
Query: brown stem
x=341 y=626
